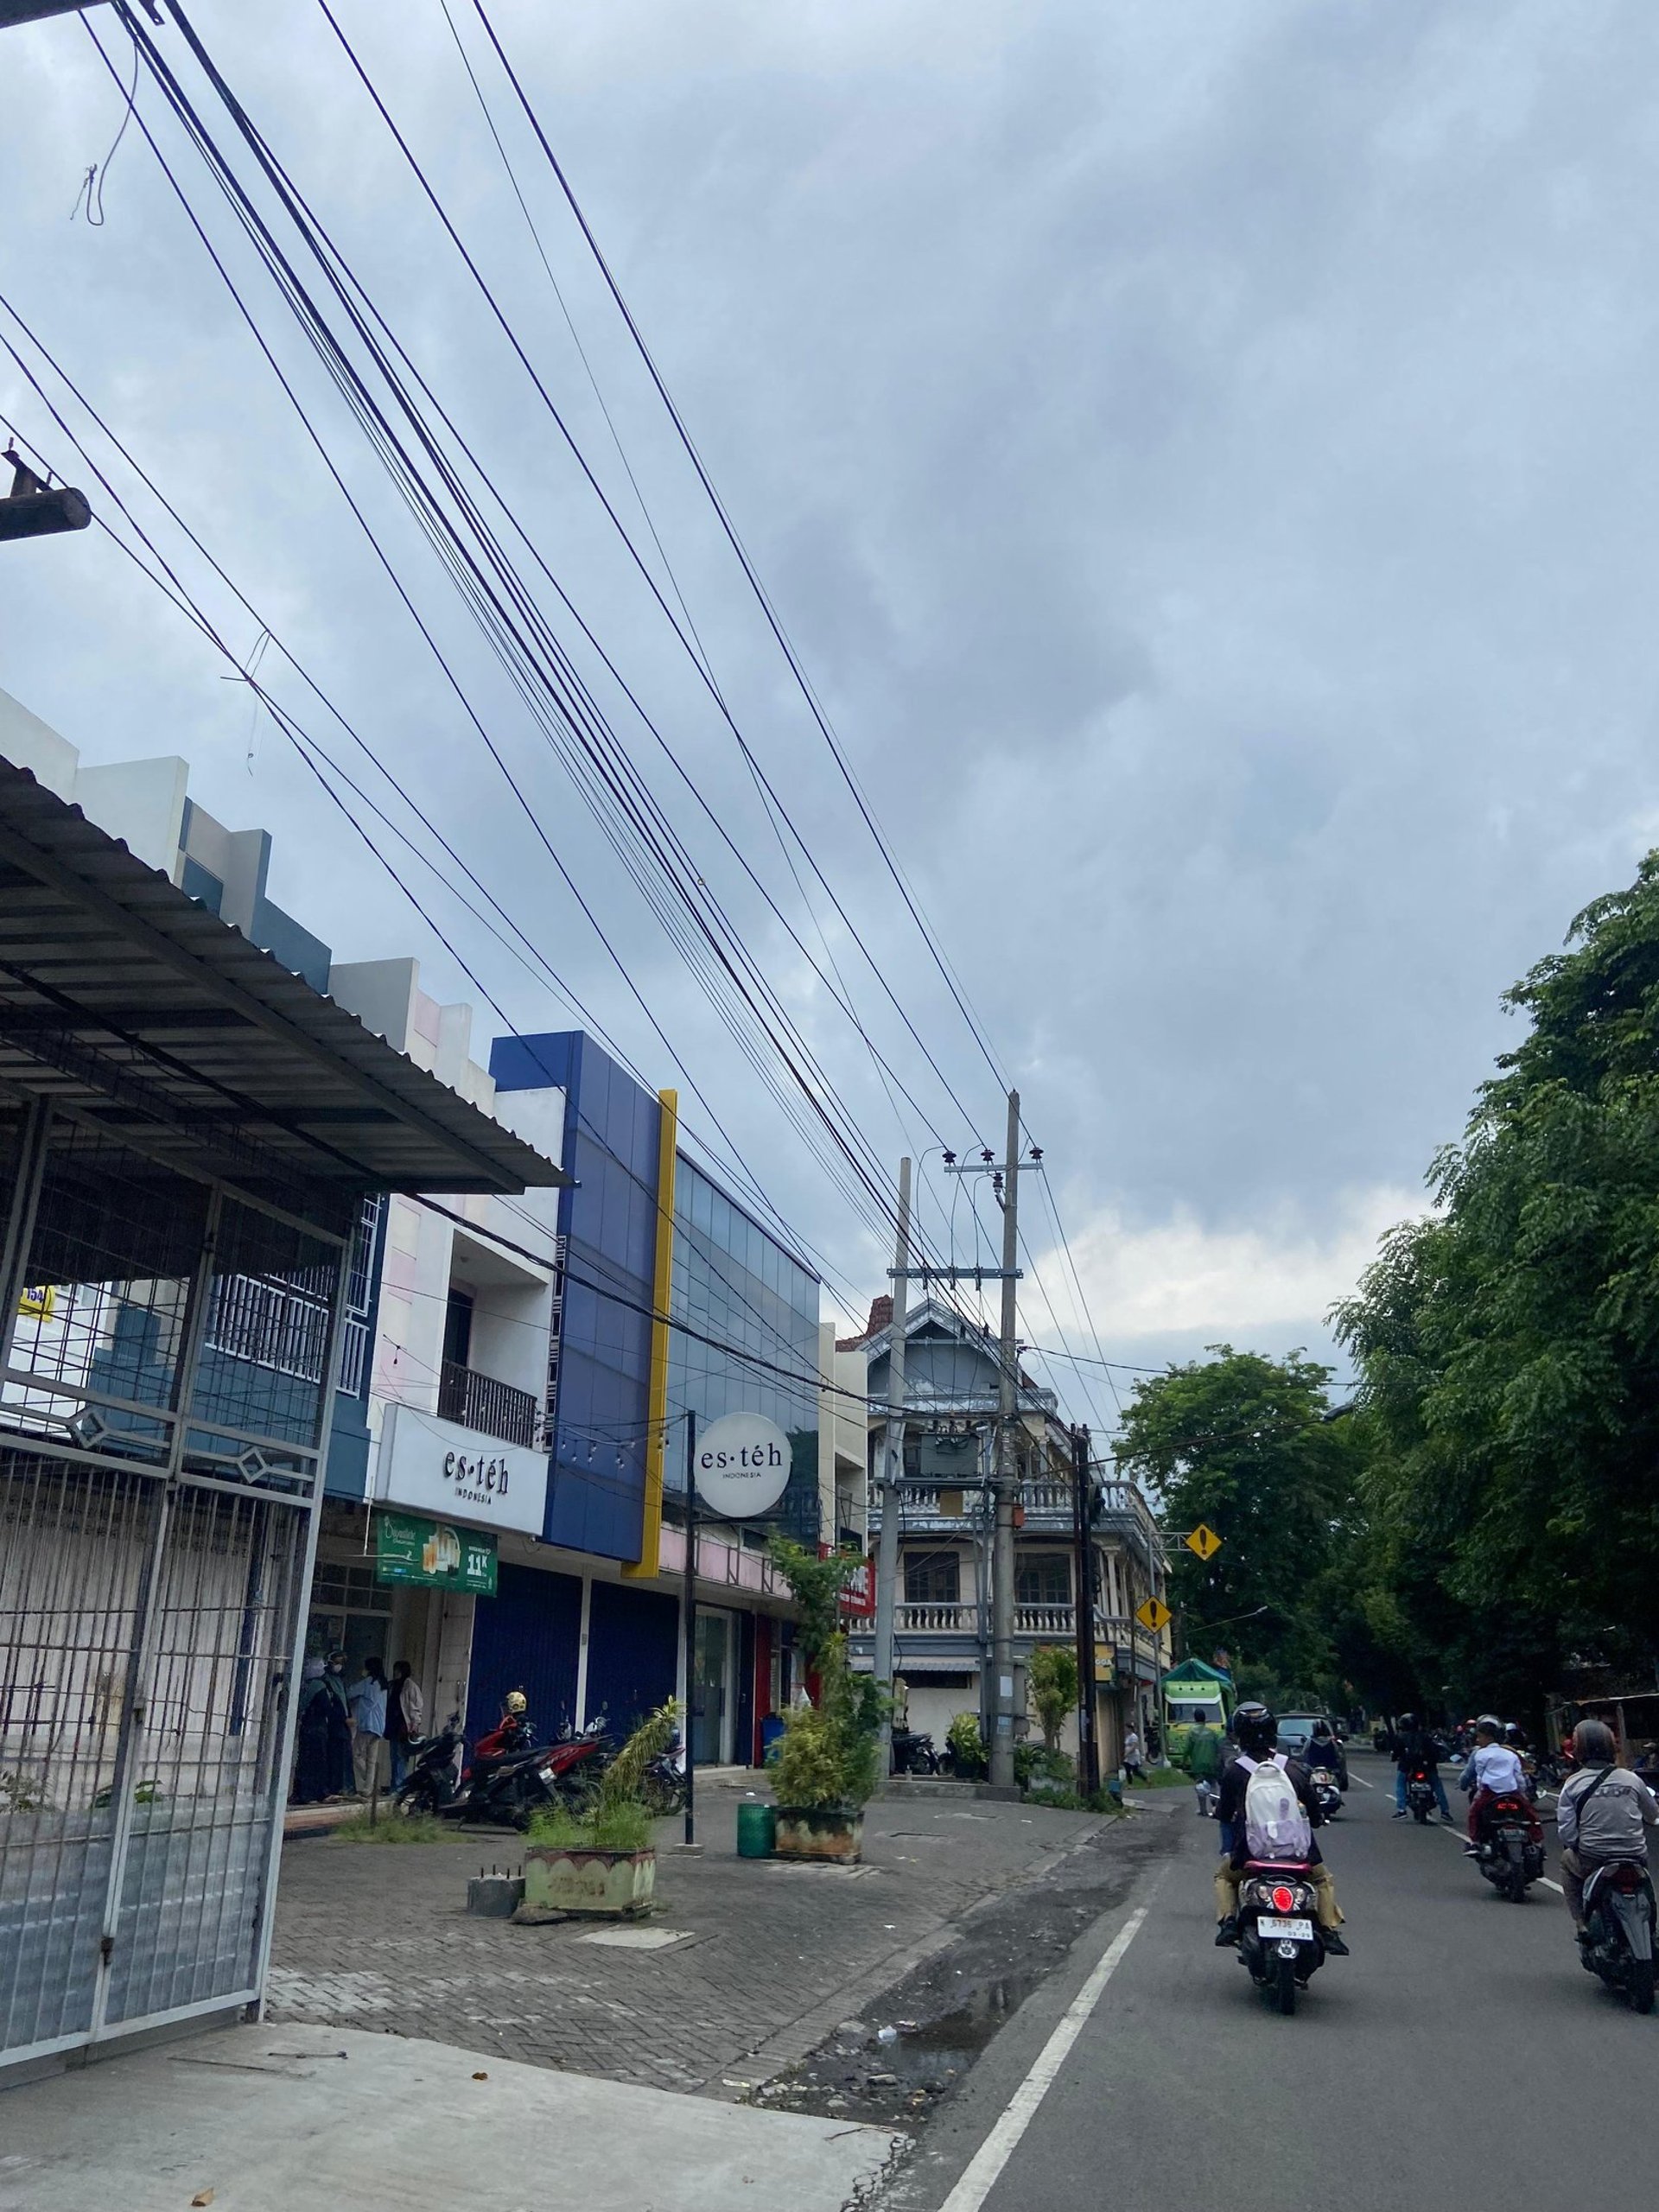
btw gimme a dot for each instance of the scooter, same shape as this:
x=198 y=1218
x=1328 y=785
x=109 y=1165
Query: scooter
x=1618 y=1919
x=1278 y=1938
x=913 y=1753
x=1328 y=1791
x=1420 y=1795
x=505 y=1787
x=1507 y=1851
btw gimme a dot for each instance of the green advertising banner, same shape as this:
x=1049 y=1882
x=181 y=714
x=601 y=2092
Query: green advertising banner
x=434 y=1553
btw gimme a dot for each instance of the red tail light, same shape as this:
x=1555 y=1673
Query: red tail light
x=1283 y=1899
x=1627 y=1878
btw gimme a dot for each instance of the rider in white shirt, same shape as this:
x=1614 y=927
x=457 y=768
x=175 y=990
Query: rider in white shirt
x=1493 y=1770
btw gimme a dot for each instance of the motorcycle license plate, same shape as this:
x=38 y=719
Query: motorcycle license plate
x=1296 y=1931
x=546 y=1774
x=1513 y=1835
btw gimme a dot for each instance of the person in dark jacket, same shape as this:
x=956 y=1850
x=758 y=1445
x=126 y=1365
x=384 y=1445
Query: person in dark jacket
x=1418 y=1747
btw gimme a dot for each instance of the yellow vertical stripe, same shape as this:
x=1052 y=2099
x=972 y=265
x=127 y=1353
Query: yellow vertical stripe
x=662 y=1290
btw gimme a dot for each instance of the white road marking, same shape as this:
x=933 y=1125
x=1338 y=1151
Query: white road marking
x=1361 y=1780
x=999 y=2147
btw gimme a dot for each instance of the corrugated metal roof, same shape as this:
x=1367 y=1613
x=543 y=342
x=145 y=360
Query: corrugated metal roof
x=123 y=998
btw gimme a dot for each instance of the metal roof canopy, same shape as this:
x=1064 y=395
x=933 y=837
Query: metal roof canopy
x=32 y=11
x=125 y=1000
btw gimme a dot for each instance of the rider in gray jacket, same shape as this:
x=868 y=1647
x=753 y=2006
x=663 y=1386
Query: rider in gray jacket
x=1604 y=1813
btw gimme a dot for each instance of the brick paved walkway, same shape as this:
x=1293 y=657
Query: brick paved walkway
x=775 y=1954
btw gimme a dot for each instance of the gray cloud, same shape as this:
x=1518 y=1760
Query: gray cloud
x=1205 y=456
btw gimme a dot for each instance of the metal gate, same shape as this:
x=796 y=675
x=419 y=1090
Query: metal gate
x=146 y=1634
x=166 y=1361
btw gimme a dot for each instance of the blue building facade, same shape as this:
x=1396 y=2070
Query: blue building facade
x=599 y=1368
x=734 y=1282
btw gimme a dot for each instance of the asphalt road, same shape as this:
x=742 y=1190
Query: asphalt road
x=1459 y=2052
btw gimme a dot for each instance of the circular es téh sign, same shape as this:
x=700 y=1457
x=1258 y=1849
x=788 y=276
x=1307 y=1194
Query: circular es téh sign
x=742 y=1466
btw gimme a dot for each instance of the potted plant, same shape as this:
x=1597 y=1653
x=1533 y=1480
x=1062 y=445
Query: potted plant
x=602 y=1860
x=828 y=1763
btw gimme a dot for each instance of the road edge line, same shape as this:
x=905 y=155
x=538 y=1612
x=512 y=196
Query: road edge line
x=985 y=2168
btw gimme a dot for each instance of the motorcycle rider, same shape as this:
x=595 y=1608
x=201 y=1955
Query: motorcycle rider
x=1603 y=1813
x=512 y=1734
x=1418 y=1747
x=1256 y=1731
x=1323 y=1748
x=1494 y=1769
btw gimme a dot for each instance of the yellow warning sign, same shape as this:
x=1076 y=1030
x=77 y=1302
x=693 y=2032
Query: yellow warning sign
x=1205 y=1541
x=1153 y=1615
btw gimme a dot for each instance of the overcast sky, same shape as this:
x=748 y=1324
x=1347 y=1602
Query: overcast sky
x=1204 y=454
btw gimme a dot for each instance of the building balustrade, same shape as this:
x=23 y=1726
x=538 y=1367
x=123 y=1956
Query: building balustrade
x=1044 y=1621
x=479 y=1402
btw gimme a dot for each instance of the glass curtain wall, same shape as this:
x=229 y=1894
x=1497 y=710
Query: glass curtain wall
x=735 y=1283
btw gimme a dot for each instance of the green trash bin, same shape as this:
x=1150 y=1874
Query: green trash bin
x=756 y=1831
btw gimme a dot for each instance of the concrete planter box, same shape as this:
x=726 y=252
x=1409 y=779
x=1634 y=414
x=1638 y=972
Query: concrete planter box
x=606 y=1882
x=817 y=1832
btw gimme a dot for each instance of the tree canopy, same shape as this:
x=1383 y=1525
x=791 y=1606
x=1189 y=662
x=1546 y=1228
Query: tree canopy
x=1247 y=1446
x=1508 y=1346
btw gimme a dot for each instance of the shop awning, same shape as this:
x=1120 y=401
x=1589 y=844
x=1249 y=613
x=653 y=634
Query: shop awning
x=123 y=998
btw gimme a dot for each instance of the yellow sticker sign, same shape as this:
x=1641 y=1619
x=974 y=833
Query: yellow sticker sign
x=1205 y=1541
x=38 y=1300
x=1153 y=1615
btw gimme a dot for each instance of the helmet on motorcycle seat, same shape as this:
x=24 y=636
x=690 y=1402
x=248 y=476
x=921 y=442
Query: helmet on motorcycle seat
x=515 y=1701
x=1255 y=1729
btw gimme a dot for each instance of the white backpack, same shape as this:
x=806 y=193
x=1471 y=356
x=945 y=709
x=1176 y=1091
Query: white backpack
x=1276 y=1825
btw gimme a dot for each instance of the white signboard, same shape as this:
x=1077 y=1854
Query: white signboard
x=743 y=1465
x=459 y=1474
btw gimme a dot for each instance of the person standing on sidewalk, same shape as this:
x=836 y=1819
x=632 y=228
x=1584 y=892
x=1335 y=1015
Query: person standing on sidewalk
x=405 y=1717
x=1201 y=1756
x=1134 y=1755
x=367 y=1699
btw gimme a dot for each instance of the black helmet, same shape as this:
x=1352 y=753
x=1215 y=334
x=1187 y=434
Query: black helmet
x=1256 y=1730
x=1515 y=1736
x=1407 y=1722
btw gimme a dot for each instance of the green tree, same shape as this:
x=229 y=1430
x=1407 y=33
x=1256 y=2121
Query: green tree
x=817 y=1586
x=1052 y=1686
x=1508 y=1345
x=1246 y=1444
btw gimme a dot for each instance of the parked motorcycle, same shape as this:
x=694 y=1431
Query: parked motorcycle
x=1420 y=1795
x=1278 y=1937
x=1619 y=1916
x=662 y=1788
x=1507 y=1851
x=504 y=1787
x=914 y=1753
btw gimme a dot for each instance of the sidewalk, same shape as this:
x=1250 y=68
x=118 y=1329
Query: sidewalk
x=748 y=1966
x=287 y=2119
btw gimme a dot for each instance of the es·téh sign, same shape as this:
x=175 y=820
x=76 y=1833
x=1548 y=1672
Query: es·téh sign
x=408 y=1549
x=742 y=1463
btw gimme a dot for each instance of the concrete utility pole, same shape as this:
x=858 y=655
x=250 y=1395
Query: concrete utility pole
x=1083 y=1528
x=893 y=1458
x=1007 y=1472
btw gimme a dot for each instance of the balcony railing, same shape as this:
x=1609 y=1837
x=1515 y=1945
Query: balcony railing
x=1044 y=1621
x=480 y=1401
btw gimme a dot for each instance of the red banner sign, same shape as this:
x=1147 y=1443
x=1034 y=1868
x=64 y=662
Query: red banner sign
x=858 y=1598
